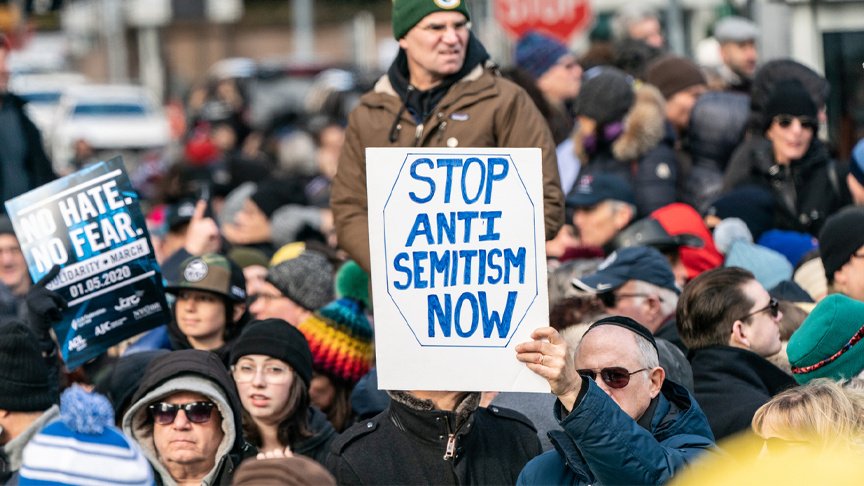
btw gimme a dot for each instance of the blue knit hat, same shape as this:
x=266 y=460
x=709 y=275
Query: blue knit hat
x=537 y=53
x=792 y=244
x=83 y=447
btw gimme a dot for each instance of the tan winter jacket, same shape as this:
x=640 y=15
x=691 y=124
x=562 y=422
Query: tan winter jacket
x=481 y=110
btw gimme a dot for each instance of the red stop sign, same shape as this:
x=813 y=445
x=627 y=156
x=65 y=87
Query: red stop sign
x=558 y=18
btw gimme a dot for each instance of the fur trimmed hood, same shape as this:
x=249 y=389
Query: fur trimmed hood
x=644 y=127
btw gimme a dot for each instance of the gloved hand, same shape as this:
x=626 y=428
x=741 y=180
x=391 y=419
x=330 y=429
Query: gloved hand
x=44 y=307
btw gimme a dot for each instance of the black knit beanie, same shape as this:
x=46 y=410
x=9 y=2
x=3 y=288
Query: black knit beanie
x=272 y=194
x=840 y=238
x=24 y=382
x=789 y=97
x=606 y=95
x=277 y=339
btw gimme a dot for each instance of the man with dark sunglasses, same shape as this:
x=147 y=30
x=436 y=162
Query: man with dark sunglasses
x=186 y=416
x=623 y=422
x=731 y=325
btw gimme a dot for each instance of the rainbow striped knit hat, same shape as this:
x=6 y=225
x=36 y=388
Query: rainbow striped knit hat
x=340 y=338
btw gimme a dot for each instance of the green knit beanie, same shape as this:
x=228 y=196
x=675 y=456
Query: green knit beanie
x=828 y=343
x=406 y=13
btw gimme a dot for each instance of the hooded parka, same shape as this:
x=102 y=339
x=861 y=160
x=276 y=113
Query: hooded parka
x=202 y=372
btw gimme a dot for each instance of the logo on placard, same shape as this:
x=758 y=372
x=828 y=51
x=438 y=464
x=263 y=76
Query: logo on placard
x=127 y=302
x=447 y=4
x=195 y=271
x=107 y=327
x=77 y=343
x=146 y=310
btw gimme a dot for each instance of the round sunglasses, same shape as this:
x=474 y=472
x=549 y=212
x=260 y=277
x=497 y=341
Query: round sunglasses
x=196 y=412
x=785 y=121
x=615 y=376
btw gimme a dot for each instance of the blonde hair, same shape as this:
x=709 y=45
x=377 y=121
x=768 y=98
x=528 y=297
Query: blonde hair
x=823 y=413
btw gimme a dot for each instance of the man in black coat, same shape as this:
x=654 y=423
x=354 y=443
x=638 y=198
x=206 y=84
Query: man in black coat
x=730 y=325
x=427 y=437
x=23 y=162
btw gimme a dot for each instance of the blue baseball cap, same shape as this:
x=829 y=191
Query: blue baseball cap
x=631 y=263
x=591 y=189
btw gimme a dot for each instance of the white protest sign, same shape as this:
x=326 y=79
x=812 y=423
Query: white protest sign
x=458 y=266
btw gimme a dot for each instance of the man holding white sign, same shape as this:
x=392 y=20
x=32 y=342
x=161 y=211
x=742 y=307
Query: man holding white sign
x=457 y=251
x=623 y=421
x=441 y=91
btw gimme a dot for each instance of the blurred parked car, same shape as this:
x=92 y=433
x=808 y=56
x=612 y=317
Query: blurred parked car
x=280 y=92
x=108 y=118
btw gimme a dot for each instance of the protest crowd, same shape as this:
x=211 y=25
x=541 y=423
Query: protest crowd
x=704 y=250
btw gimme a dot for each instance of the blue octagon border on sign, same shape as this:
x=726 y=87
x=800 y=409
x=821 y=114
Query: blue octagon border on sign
x=533 y=247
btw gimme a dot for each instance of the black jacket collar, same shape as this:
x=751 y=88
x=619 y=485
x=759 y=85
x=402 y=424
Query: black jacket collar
x=420 y=419
x=742 y=364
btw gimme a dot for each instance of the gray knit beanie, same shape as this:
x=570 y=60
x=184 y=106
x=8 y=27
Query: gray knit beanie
x=307 y=279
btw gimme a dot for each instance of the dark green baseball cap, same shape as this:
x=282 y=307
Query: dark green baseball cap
x=212 y=273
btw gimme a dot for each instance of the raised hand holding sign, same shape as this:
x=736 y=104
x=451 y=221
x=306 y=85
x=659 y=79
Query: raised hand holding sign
x=86 y=243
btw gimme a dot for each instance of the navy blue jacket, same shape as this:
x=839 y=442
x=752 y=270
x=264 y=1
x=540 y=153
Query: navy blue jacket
x=601 y=444
x=36 y=162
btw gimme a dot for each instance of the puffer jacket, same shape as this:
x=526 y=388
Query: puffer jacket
x=806 y=191
x=642 y=153
x=200 y=372
x=717 y=125
x=601 y=444
x=480 y=110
